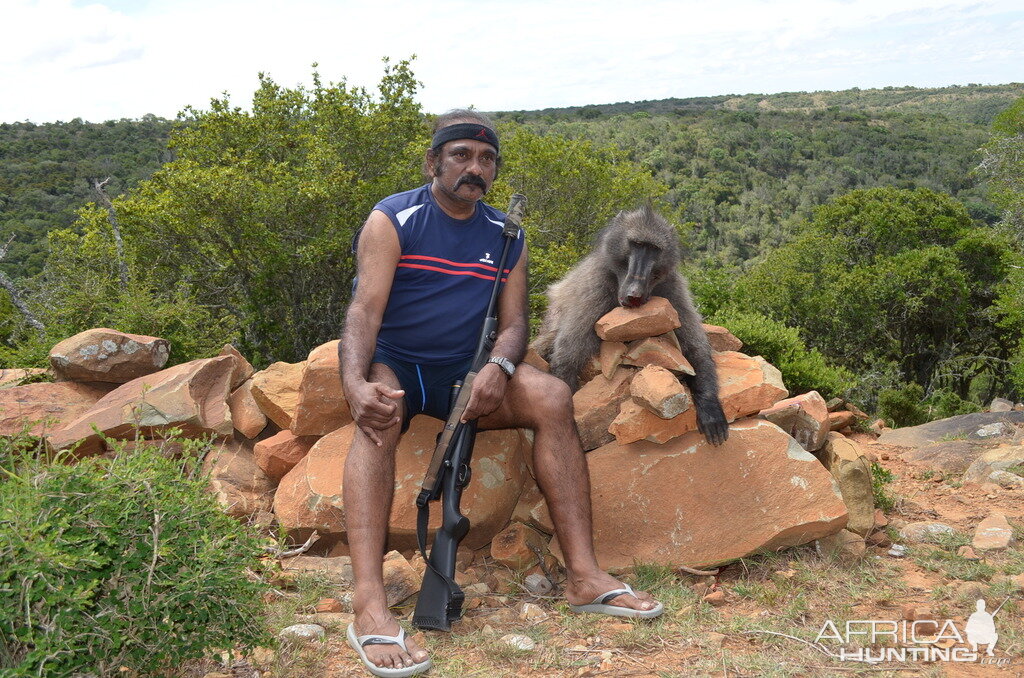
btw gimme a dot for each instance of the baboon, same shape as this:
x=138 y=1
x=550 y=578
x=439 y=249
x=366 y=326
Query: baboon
x=635 y=257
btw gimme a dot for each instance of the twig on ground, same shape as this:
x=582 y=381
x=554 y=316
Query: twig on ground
x=278 y=553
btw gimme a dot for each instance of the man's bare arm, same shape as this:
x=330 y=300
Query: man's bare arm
x=372 y=404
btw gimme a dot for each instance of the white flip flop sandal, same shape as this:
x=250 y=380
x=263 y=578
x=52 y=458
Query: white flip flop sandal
x=357 y=643
x=600 y=606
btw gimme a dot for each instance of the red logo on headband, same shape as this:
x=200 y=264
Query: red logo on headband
x=482 y=132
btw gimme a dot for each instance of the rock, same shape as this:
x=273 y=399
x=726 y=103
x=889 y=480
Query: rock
x=40 y=408
x=239 y=485
x=677 y=503
x=747 y=385
x=898 y=551
x=276 y=391
x=662 y=351
x=804 y=417
x=943 y=429
x=330 y=605
x=993 y=534
x=243 y=369
x=655 y=317
x=722 y=339
x=993 y=430
x=246 y=416
x=321 y=407
x=103 y=354
x=1000 y=405
x=967 y=553
x=309 y=497
x=279 y=453
x=519 y=642
x=925 y=532
x=999 y=459
x=715 y=598
x=191 y=397
x=303 y=633
x=517 y=547
x=537 y=584
x=401 y=580
x=844 y=546
x=610 y=357
x=531 y=612
x=597 y=404
x=533 y=359
x=337 y=571
x=16 y=376
x=846 y=462
x=840 y=420
x=659 y=390
x=531 y=508
x=880 y=520
x=636 y=423
x=1006 y=480
x=950 y=456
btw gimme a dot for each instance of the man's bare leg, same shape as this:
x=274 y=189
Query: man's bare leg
x=367 y=491
x=543 y=403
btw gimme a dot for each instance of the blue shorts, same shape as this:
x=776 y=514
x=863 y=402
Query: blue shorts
x=427 y=388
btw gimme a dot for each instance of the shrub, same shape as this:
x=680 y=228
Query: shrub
x=118 y=563
x=907 y=406
x=803 y=369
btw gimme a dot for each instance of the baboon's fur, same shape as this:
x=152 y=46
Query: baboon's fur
x=613 y=274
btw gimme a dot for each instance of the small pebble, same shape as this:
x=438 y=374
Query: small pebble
x=519 y=642
x=303 y=632
x=898 y=551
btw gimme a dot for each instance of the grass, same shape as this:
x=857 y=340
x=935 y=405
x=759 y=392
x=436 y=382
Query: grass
x=880 y=477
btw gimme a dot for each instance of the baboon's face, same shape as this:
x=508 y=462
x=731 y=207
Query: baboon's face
x=639 y=272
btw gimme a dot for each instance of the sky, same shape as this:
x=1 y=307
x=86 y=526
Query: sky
x=110 y=59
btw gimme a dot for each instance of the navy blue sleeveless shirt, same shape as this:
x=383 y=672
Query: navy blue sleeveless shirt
x=443 y=280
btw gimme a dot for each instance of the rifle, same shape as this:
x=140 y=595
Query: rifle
x=440 y=600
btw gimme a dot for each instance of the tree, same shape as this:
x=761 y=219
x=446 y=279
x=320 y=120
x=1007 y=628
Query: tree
x=894 y=278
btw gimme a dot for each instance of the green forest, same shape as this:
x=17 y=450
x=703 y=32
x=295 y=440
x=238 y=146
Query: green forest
x=867 y=242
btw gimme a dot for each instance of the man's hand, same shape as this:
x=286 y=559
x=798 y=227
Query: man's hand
x=374 y=408
x=488 y=391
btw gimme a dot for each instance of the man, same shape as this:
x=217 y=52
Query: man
x=410 y=332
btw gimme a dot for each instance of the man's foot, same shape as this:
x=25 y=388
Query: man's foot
x=387 y=655
x=584 y=591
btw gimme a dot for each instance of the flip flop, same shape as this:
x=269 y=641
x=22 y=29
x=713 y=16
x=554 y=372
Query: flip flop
x=357 y=643
x=600 y=606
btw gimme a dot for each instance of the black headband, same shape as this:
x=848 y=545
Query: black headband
x=464 y=130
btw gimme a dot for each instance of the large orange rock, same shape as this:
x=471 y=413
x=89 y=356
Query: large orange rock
x=237 y=482
x=686 y=502
x=246 y=414
x=191 y=396
x=279 y=453
x=655 y=317
x=276 y=391
x=103 y=354
x=47 y=407
x=636 y=422
x=243 y=368
x=321 y=406
x=722 y=339
x=659 y=391
x=661 y=350
x=747 y=384
x=851 y=470
x=804 y=417
x=309 y=497
x=597 y=404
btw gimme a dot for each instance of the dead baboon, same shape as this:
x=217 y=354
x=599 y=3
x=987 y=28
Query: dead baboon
x=635 y=257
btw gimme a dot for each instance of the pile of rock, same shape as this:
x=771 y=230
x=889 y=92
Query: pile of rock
x=660 y=493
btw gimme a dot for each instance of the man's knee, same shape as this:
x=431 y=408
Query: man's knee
x=546 y=397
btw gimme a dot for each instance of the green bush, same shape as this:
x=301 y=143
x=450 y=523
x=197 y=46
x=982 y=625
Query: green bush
x=803 y=369
x=907 y=406
x=118 y=563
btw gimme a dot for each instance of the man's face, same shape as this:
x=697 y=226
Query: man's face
x=466 y=169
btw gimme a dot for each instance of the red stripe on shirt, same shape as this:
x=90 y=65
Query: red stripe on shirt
x=446 y=271
x=450 y=263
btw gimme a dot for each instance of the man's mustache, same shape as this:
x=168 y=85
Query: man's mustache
x=472 y=180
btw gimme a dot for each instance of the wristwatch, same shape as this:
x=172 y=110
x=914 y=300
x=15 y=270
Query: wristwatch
x=505 y=364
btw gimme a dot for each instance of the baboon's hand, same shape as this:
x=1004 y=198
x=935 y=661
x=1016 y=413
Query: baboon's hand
x=711 y=421
x=488 y=391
